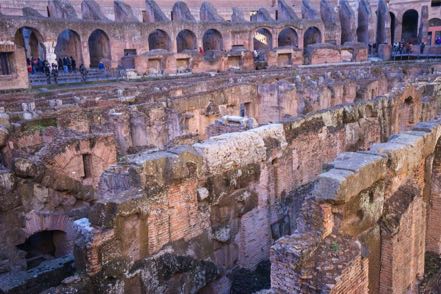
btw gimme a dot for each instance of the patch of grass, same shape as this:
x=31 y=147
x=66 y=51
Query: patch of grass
x=39 y=124
x=335 y=247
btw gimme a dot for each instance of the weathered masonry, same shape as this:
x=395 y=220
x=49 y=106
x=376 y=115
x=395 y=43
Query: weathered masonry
x=180 y=43
x=132 y=189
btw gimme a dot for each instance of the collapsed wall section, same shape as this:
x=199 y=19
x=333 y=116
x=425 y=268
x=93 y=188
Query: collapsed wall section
x=206 y=201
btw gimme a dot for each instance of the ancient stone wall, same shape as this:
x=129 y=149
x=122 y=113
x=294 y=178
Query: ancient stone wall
x=376 y=197
x=182 y=197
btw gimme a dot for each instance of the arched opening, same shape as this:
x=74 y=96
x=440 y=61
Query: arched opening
x=32 y=41
x=434 y=31
x=158 y=39
x=44 y=245
x=363 y=29
x=312 y=36
x=435 y=22
x=99 y=48
x=212 y=40
x=186 y=40
x=69 y=45
x=288 y=38
x=410 y=26
x=406 y=114
x=392 y=27
x=263 y=39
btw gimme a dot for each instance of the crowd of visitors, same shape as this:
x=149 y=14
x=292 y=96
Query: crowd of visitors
x=67 y=64
x=406 y=48
x=37 y=65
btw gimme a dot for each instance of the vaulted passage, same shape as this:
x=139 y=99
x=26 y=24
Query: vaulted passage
x=44 y=245
x=99 y=48
x=186 y=40
x=159 y=39
x=410 y=26
x=31 y=40
x=392 y=27
x=263 y=39
x=288 y=38
x=69 y=44
x=212 y=40
x=312 y=36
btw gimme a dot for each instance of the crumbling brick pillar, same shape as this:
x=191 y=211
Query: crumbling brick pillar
x=402 y=241
x=433 y=238
x=301 y=263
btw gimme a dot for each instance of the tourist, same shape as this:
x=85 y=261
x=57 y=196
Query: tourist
x=69 y=64
x=55 y=72
x=201 y=51
x=29 y=65
x=40 y=65
x=47 y=71
x=65 y=66
x=400 y=48
x=101 y=66
x=73 y=63
x=83 y=72
x=60 y=62
x=422 y=46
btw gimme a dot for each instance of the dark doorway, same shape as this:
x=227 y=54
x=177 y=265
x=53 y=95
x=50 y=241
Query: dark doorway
x=44 y=245
x=158 y=39
x=288 y=38
x=99 y=48
x=410 y=26
x=186 y=40
x=392 y=27
x=312 y=36
x=212 y=40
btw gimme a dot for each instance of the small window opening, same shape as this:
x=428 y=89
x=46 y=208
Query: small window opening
x=42 y=246
x=87 y=165
x=5 y=63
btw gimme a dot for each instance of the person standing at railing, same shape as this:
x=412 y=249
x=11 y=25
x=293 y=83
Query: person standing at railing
x=422 y=46
x=55 y=73
x=83 y=72
x=73 y=63
x=47 y=71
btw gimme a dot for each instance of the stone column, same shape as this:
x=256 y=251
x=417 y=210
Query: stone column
x=50 y=51
x=424 y=24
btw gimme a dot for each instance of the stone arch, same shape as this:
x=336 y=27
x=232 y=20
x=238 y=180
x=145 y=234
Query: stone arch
x=99 y=48
x=186 y=40
x=159 y=39
x=410 y=26
x=262 y=39
x=288 y=38
x=45 y=245
x=392 y=27
x=32 y=41
x=407 y=113
x=312 y=36
x=435 y=22
x=55 y=228
x=212 y=40
x=69 y=44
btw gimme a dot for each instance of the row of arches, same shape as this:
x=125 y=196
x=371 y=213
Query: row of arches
x=69 y=42
x=409 y=28
x=68 y=45
x=213 y=40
